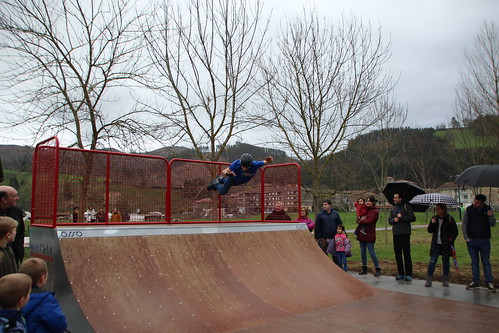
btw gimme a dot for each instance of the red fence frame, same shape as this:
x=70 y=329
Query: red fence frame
x=181 y=182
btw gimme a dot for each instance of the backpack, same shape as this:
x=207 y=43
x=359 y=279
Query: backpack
x=10 y=325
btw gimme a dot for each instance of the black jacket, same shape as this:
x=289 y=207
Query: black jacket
x=448 y=234
x=476 y=223
x=403 y=226
x=326 y=224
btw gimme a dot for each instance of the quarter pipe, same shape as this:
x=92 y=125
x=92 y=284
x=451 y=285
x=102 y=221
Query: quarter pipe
x=258 y=277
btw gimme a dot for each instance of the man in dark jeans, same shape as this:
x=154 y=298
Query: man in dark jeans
x=400 y=219
x=326 y=223
x=477 y=220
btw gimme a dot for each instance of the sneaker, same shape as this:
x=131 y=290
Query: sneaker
x=213 y=184
x=408 y=278
x=399 y=277
x=491 y=288
x=473 y=285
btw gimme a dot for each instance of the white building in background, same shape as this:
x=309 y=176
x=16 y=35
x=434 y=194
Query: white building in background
x=465 y=195
x=462 y=194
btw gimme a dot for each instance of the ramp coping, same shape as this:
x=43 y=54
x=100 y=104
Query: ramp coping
x=151 y=230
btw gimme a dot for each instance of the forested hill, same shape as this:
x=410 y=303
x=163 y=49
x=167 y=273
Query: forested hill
x=232 y=153
x=427 y=156
x=17 y=158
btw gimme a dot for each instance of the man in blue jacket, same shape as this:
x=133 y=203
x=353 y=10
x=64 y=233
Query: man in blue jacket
x=326 y=223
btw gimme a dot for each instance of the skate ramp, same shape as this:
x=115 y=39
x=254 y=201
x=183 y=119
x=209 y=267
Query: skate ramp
x=216 y=282
x=232 y=279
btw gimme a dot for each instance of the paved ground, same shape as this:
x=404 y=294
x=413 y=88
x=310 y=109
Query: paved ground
x=456 y=292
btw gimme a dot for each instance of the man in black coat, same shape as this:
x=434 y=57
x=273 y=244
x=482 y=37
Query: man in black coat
x=401 y=217
x=8 y=207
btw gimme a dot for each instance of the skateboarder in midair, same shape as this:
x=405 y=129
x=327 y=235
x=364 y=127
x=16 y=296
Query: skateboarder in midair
x=239 y=172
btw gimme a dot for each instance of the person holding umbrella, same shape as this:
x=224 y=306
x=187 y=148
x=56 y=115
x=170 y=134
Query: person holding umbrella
x=477 y=220
x=400 y=219
x=444 y=230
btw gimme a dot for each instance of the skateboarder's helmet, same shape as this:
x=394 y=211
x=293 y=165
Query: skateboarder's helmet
x=246 y=160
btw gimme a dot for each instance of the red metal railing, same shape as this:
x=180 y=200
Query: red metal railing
x=148 y=189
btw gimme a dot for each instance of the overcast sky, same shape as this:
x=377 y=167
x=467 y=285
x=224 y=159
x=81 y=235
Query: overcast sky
x=428 y=40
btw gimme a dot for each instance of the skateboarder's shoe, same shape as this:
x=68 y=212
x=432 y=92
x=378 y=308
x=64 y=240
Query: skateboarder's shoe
x=213 y=185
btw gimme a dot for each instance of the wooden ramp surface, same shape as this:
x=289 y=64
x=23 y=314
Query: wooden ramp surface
x=275 y=281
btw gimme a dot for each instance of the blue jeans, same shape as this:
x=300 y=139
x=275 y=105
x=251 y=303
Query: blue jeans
x=226 y=184
x=480 y=248
x=363 y=254
x=342 y=260
x=433 y=262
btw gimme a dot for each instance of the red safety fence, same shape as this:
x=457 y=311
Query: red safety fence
x=86 y=186
x=282 y=184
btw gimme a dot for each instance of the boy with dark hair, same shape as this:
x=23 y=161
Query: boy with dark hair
x=42 y=313
x=8 y=230
x=14 y=294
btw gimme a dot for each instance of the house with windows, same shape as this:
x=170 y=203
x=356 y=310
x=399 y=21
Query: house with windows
x=462 y=194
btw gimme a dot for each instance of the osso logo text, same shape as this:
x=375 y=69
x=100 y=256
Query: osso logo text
x=71 y=234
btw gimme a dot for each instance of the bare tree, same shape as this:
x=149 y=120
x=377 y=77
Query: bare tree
x=477 y=100
x=477 y=93
x=380 y=151
x=206 y=54
x=66 y=65
x=323 y=85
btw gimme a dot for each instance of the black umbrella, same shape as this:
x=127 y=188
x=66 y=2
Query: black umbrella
x=407 y=190
x=486 y=175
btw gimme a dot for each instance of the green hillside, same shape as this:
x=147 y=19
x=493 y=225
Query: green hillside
x=465 y=138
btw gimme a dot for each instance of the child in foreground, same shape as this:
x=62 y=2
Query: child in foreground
x=340 y=247
x=8 y=230
x=14 y=294
x=42 y=313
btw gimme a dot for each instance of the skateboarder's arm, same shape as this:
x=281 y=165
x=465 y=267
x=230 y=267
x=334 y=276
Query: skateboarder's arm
x=268 y=160
x=227 y=172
